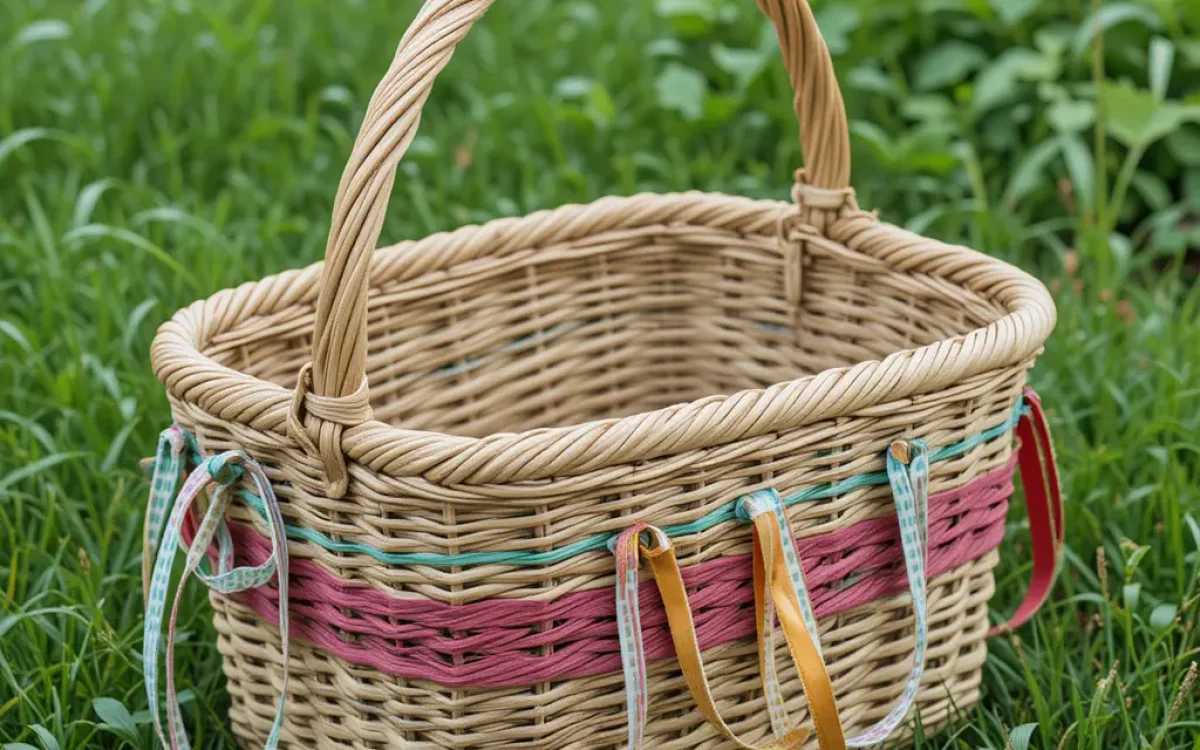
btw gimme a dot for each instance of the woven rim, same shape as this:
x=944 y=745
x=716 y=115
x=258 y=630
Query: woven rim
x=240 y=398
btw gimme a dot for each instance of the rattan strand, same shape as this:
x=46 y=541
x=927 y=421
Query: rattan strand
x=540 y=379
x=342 y=706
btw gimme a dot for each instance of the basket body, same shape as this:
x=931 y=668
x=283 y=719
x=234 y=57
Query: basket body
x=543 y=380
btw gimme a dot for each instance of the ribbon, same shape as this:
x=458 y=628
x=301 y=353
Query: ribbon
x=780 y=592
x=772 y=583
x=220 y=472
x=908 y=474
x=1044 y=506
x=642 y=540
x=629 y=626
x=167 y=467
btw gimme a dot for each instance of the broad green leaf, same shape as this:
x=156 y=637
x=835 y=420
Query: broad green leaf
x=573 y=87
x=998 y=82
x=1030 y=172
x=18 y=746
x=718 y=109
x=335 y=94
x=1071 y=115
x=875 y=137
x=1054 y=40
x=1020 y=737
x=1136 y=117
x=601 y=105
x=665 y=47
x=934 y=6
x=1131 y=594
x=682 y=89
x=929 y=107
x=1012 y=12
x=1184 y=145
x=1191 y=188
x=1109 y=16
x=689 y=18
x=948 y=63
x=1161 y=58
x=871 y=78
x=1081 y=168
x=1163 y=616
x=116 y=717
x=837 y=22
x=1153 y=190
x=743 y=64
x=1190 y=49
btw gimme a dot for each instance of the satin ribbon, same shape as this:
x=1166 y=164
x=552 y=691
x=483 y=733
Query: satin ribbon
x=642 y=541
x=219 y=473
x=1044 y=506
x=908 y=475
x=780 y=592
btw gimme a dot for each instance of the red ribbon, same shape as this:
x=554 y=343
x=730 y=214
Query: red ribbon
x=1043 y=504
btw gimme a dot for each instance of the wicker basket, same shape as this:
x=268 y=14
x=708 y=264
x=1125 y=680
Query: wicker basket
x=538 y=381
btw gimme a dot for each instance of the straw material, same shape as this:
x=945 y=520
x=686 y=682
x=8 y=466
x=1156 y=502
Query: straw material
x=520 y=385
x=516 y=642
x=340 y=706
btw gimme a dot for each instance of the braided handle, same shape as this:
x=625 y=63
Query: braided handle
x=393 y=115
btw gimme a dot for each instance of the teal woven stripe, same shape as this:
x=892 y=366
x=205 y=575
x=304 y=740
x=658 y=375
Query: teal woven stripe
x=725 y=513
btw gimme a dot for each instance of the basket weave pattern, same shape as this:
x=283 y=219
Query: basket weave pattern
x=506 y=642
x=538 y=380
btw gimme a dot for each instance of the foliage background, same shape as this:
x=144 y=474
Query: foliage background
x=154 y=151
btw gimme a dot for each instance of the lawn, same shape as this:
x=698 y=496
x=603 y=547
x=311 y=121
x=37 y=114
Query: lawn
x=152 y=153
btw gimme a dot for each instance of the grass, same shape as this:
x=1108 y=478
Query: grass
x=154 y=152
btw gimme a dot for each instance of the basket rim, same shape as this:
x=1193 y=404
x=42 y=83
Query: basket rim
x=568 y=450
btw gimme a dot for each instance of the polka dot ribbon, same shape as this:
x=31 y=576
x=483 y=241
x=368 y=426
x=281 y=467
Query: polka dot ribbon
x=165 y=517
x=775 y=549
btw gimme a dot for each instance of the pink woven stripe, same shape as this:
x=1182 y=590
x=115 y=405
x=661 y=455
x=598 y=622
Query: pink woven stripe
x=506 y=642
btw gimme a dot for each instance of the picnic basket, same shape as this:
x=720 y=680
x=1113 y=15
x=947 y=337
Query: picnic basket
x=457 y=433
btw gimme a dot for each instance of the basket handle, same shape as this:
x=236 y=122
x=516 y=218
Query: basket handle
x=338 y=374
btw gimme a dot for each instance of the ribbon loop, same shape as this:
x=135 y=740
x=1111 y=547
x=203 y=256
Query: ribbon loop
x=220 y=472
x=1044 y=506
x=780 y=592
x=908 y=470
x=168 y=465
x=770 y=574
